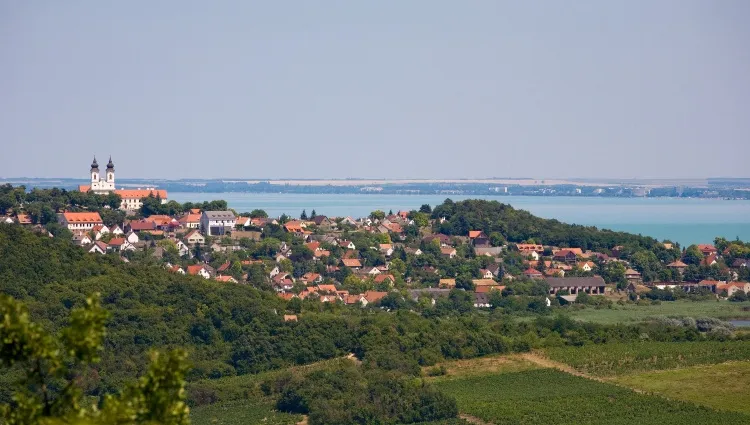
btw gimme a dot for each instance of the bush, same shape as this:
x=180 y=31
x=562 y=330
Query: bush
x=437 y=371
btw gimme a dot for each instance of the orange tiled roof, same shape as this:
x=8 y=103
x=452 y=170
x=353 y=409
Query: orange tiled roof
x=194 y=269
x=351 y=262
x=373 y=296
x=190 y=218
x=82 y=217
x=474 y=233
x=141 y=193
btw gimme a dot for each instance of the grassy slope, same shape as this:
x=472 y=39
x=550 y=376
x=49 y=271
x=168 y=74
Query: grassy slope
x=240 y=412
x=553 y=397
x=634 y=313
x=480 y=366
x=721 y=386
x=617 y=359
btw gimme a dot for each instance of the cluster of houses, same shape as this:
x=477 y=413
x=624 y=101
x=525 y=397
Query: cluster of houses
x=222 y=231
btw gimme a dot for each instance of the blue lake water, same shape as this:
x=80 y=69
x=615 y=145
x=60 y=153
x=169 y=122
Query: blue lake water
x=681 y=220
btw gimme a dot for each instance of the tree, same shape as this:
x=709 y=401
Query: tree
x=303 y=216
x=739 y=296
x=257 y=213
x=464 y=281
x=420 y=219
x=693 y=255
x=53 y=367
x=377 y=215
x=425 y=208
x=614 y=272
x=313 y=214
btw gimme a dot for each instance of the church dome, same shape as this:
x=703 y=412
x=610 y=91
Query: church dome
x=94 y=164
x=110 y=165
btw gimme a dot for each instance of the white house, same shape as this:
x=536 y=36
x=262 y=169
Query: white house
x=81 y=238
x=182 y=248
x=194 y=237
x=99 y=231
x=199 y=270
x=97 y=247
x=217 y=223
x=386 y=249
x=116 y=231
x=80 y=220
x=132 y=237
x=274 y=271
x=347 y=244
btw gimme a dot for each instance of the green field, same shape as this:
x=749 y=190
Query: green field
x=240 y=412
x=548 y=396
x=636 y=313
x=617 y=359
x=721 y=386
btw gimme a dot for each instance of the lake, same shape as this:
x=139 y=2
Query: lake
x=682 y=220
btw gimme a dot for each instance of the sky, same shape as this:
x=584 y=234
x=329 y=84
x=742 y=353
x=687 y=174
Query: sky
x=376 y=89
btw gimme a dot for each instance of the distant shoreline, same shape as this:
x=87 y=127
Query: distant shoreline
x=728 y=189
x=344 y=182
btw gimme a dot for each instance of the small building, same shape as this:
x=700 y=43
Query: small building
x=574 y=285
x=533 y=273
x=678 y=265
x=199 y=270
x=80 y=220
x=448 y=252
x=566 y=256
x=633 y=276
x=217 y=223
x=194 y=237
x=481 y=300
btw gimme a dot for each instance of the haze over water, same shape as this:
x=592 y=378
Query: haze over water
x=682 y=220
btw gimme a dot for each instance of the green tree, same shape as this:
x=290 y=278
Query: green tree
x=53 y=365
x=303 y=216
x=464 y=281
x=425 y=208
x=377 y=215
x=693 y=255
x=258 y=213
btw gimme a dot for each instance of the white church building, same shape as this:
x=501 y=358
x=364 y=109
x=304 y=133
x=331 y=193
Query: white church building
x=131 y=198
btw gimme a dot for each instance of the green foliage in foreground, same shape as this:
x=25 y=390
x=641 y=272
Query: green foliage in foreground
x=547 y=396
x=616 y=359
x=49 y=391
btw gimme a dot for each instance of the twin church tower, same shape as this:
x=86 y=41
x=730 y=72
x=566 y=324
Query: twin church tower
x=98 y=185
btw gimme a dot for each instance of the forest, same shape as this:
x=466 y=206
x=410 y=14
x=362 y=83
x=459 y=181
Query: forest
x=235 y=329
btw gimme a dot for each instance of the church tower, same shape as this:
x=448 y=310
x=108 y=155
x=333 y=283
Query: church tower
x=95 y=177
x=109 y=184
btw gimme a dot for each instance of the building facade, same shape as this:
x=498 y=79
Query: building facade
x=84 y=221
x=132 y=199
x=217 y=223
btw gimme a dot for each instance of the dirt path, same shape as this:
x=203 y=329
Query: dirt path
x=473 y=420
x=303 y=421
x=542 y=361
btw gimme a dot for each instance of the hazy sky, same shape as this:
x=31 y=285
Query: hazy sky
x=401 y=88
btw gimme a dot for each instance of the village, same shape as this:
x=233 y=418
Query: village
x=316 y=258
x=360 y=261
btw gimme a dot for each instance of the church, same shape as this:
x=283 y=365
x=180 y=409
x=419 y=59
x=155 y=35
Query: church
x=131 y=198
